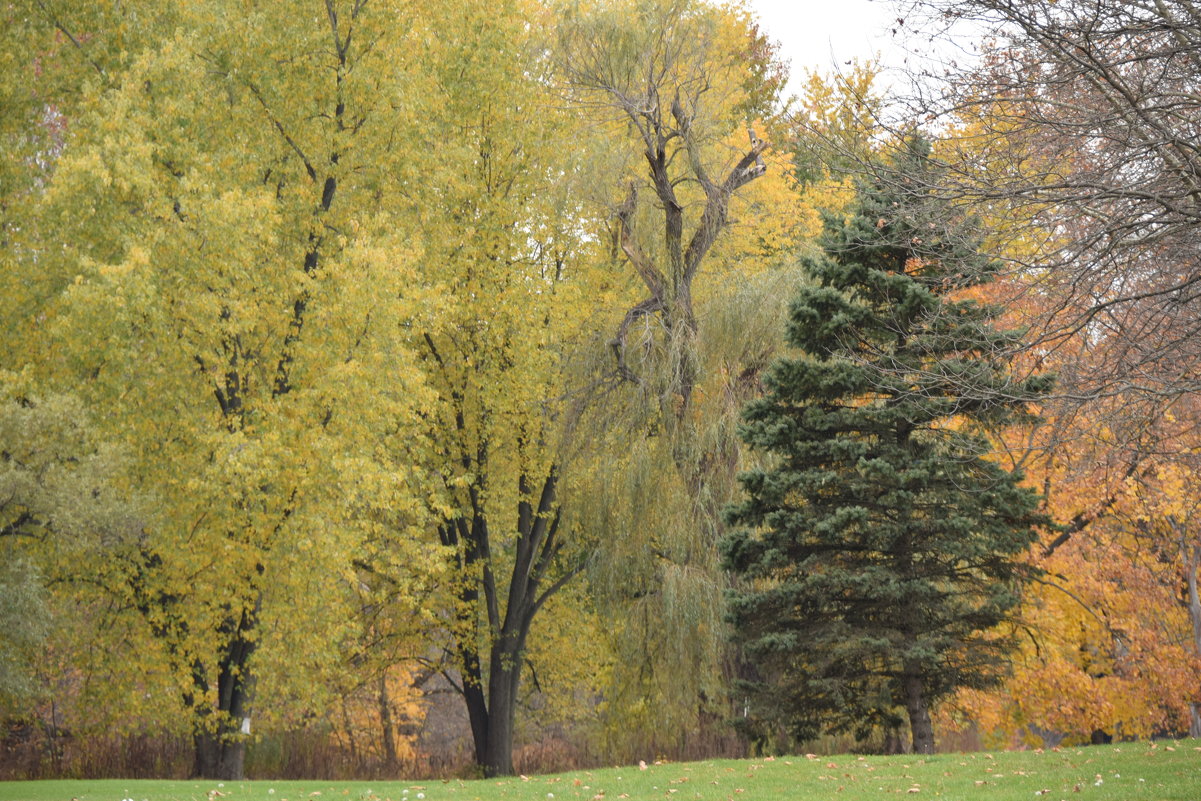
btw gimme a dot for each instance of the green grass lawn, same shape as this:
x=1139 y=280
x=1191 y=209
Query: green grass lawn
x=1165 y=771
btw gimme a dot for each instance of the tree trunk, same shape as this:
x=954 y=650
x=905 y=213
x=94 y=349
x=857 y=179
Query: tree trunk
x=492 y=709
x=476 y=703
x=492 y=715
x=504 y=678
x=894 y=743
x=387 y=725
x=919 y=715
x=1191 y=563
x=221 y=754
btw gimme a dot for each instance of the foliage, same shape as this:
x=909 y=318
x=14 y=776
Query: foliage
x=22 y=619
x=1071 y=130
x=229 y=286
x=343 y=337
x=509 y=250
x=836 y=124
x=703 y=225
x=1111 y=649
x=884 y=547
x=62 y=515
x=1077 y=118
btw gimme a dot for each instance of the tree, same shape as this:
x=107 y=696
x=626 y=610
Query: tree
x=679 y=75
x=517 y=278
x=701 y=217
x=1077 y=125
x=213 y=264
x=884 y=548
x=63 y=514
x=836 y=123
x=22 y=616
x=1166 y=516
x=318 y=347
x=1112 y=622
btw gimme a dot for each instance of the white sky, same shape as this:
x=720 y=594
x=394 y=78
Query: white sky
x=821 y=35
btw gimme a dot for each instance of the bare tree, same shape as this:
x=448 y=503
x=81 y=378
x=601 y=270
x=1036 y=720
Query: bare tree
x=1081 y=125
x=1077 y=130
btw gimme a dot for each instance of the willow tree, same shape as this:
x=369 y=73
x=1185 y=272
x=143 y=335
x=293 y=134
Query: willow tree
x=681 y=97
x=220 y=272
x=681 y=75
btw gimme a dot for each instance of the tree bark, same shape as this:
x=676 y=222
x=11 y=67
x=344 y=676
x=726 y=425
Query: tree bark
x=894 y=743
x=1192 y=562
x=919 y=714
x=221 y=754
x=492 y=708
x=387 y=724
x=504 y=678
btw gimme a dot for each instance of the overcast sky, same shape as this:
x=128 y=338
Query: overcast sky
x=817 y=34
x=821 y=35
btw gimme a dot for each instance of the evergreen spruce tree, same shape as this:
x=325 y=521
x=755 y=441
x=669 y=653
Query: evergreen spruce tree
x=881 y=551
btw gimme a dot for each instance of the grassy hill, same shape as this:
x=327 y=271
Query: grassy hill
x=1163 y=771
